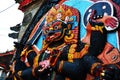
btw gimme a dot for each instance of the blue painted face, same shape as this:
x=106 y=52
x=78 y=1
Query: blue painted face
x=101 y=7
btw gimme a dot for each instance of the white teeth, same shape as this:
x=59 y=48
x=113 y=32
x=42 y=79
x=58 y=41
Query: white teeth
x=94 y=17
x=105 y=14
x=98 y=16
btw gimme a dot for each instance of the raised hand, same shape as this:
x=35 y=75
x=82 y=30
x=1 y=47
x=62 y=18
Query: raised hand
x=110 y=22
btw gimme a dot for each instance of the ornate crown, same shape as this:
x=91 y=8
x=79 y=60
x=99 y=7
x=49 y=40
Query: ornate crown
x=58 y=13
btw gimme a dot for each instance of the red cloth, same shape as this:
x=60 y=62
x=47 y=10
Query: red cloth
x=23 y=4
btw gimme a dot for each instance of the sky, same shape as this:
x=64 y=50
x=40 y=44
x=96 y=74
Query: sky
x=9 y=16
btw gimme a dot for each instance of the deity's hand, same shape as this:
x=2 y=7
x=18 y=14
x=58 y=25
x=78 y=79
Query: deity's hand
x=44 y=65
x=43 y=68
x=110 y=22
x=109 y=72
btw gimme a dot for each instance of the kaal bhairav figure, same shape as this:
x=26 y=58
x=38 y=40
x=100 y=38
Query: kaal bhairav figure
x=77 y=42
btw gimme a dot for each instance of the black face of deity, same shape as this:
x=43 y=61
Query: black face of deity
x=54 y=31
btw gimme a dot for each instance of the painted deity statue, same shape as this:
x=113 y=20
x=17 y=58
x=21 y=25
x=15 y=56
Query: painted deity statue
x=63 y=50
x=72 y=43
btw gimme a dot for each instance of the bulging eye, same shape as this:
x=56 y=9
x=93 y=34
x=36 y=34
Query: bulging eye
x=55 y=27
x=104 y=7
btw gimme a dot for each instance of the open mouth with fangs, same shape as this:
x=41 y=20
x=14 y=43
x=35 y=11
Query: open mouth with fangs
x=53 y=36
